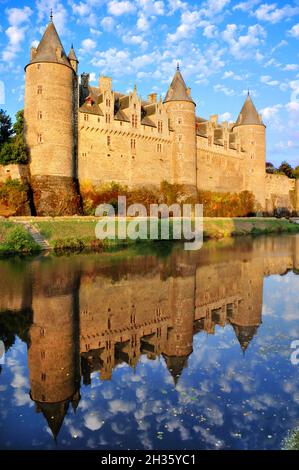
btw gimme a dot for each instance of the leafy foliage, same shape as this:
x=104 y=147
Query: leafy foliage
x=226 y=204
x=284 y=169
x=18 y=240
x=215 y=204
x=6 y=129
x=13 y=148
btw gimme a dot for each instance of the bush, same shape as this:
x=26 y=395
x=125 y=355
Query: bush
x=215 y=204
x=75 y=245
x=18 y=240
x=227 y=204
x=14 y=151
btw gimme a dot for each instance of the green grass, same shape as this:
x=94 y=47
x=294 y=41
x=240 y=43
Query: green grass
x=15 y=239
x=78 y=233
x=226 y=227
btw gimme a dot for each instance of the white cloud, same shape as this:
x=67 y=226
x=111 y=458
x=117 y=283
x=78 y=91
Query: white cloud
x=246 y=6
x=18 y=19
x=60 y=14
x=81 y=9
x=223 y=89
x=135 y=40
x=210 y=31
x=92 y=77
x=225 y=116
x=293 y=106
x=282 y=43
x=270 y=112
x=175 y=5
x=232 y=75
x=294 y=31
x=152 y=7
x=93 y=422
x=212 y=7
x=87 y=45
x=143 y=23
x=189 y=23
x=242 y=46
x=125 y=7
x=108 y=23
x=291 y=67
x=273 y=14
x=17 y=16
x=267 y=80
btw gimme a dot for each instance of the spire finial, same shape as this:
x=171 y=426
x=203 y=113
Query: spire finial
x=178 y=66
x=51 y=15
x=248 y=92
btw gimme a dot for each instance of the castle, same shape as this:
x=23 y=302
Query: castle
x=78 y=133
x=87 y=317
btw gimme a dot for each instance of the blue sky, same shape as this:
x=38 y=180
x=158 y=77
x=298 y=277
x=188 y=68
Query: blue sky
x=224 y=47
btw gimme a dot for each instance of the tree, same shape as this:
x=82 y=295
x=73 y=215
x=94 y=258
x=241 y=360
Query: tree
x=6 y=130
x=18 y=126
x=270 y=168
x=296 y=172
x=286 y=168
x=14 y=149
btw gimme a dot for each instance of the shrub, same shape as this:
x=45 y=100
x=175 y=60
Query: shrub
x=226 y=204
x=18 y=240
x=69 y=244
x=216 y=204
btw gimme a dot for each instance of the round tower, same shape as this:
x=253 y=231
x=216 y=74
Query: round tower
x=53 y=354
x=50 y=125
x=181 y=112
x=252 y=133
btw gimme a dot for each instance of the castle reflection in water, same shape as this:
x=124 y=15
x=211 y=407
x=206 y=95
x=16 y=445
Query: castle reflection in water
x=91 y=313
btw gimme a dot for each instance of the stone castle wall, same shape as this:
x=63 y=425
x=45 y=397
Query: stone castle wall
x=116 y=152
x=14 y=171
x=219 y=169
x=281 y=193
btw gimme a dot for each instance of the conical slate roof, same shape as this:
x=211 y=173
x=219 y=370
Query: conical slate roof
x=177 y=90
x=176 y=365
x=249 y=114
x=48 y=46
x=72 y=54
x=54 y=414
x=245 y=335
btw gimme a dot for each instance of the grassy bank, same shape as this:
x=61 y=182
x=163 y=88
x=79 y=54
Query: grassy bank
x=78 y=233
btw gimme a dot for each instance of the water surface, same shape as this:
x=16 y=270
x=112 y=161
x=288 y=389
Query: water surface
x=154 y=348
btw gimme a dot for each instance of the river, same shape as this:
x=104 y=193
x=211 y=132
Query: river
x=152 y=347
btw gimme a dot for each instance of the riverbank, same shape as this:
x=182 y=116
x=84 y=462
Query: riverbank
x=78 y=233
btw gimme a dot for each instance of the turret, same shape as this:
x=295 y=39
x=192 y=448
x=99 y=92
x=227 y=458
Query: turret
x=50 y=125
x=73 y=59
x=179 y=343
x=54 y=347
x=181 y=112
x=252 y=133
